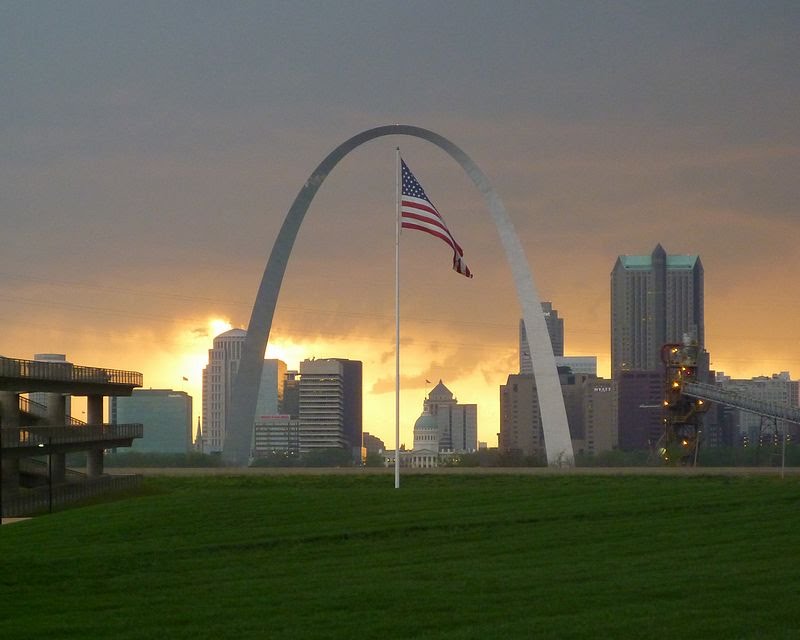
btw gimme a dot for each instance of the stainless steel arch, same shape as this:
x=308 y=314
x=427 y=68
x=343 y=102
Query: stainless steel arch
x=239 y=428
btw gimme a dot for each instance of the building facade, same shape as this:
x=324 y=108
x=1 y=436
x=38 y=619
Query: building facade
x=579 y=364
x=520 y=420
x=779 y=389
x=218 y=378
x=590 y=403
x=291 y=394
x=276 y=434
x=426 y=443
x=555 y=328
x=330 y=404
x=655 y=300
x=373 y=444
x=640 y=408
x=457 y=423
x=166 y=416
x=600 y=410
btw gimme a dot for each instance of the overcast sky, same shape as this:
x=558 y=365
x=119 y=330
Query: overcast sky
x=150 y=151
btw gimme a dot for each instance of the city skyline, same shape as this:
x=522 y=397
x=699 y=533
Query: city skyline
x=150 y=156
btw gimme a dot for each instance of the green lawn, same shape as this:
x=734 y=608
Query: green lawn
x=443 y=557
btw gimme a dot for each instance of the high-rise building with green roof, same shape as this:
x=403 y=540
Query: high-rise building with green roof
x=655 y=300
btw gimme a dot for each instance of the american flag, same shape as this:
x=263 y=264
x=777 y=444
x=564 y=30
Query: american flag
x=417 y=212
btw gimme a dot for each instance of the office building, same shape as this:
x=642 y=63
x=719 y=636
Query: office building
x=166 y=417
x=655 y=300
x=276 y=434
x=590 y=403
x=578 y=364
x=291 y=394
x=555 y=328
x=600 y=416
x=218 y=378
x=640 y=408
x=457 y=424
x=778 y=389
x=330 y=399
x=373 y=444
x=520 y=420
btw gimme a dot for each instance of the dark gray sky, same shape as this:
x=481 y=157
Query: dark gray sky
x=151 y=149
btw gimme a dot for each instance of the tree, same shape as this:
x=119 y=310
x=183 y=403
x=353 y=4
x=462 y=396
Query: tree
x=374 y=459
x=332 y=457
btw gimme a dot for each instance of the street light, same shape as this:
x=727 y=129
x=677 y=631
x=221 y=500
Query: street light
x=696 y=447
x=49 y=472
x=783 y=451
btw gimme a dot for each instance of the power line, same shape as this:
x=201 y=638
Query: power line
x=327 y=313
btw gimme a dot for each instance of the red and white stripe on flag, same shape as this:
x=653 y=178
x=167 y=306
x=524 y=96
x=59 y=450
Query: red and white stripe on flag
x=418 y=212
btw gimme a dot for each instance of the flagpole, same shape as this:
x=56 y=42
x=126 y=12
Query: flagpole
x=397 y=323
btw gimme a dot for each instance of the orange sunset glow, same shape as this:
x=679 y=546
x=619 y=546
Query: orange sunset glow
x=473 y=357
x=149 y=161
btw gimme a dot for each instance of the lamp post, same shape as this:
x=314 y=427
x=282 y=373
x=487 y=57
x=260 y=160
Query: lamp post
x=783 y=451
x=49 y=471
x=696 y=447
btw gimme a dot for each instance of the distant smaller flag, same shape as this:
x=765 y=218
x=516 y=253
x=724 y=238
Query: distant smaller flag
x=418 y=212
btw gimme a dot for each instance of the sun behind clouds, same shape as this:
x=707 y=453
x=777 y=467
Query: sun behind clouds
x=217 y=326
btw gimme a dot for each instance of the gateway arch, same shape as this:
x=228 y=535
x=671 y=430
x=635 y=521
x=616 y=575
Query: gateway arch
x=239 y=428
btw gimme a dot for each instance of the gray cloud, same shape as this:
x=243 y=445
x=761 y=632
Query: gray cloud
x=150 y=152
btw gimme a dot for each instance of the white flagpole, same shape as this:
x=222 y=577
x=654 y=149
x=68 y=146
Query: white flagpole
x=397 y=324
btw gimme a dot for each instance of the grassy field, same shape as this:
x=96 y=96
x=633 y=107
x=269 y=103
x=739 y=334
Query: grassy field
x=444 y=557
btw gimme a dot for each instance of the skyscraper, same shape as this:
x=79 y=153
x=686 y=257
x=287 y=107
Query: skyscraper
x=555 y=327
x=640 y=417
x=655 y=300
x=331 y=404
x=291 y=394
x=165 y=414
x=520 y=421
x=591 y=408
x=218 y=377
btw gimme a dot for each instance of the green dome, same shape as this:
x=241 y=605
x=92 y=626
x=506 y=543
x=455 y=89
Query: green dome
x=426 y=422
